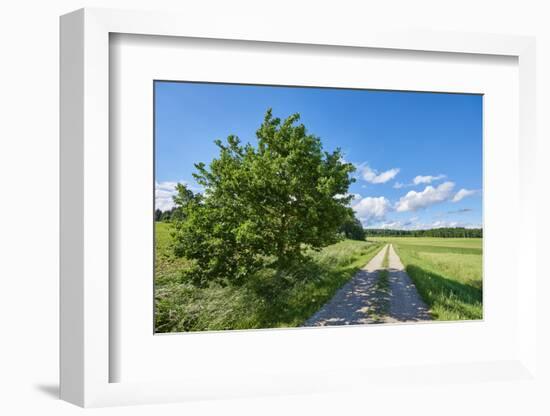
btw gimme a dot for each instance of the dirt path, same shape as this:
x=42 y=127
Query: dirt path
x=360 y=301
x=351 y=304
x=405 y=304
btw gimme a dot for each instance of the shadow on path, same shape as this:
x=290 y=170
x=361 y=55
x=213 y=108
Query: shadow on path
x=354 y=302
x=361 y=301
x=405 y=304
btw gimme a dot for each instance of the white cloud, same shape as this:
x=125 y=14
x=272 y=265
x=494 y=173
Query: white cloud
x=413 y=224
x=450 y=224
x=371 y=208
x=443 y=224
x=419 y=180
x=463 y=193
x=164 y=191
x=394 y=225
x=391 y=225
x=413 y=200
x=426 y=179
x=373 y=176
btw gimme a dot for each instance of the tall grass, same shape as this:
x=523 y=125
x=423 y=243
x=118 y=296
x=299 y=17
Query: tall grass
x=182 y=307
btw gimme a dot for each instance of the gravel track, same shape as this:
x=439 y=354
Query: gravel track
x=359 y=301
x=352 y=302
x=406 y=305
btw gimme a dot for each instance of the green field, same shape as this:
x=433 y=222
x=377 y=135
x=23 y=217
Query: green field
x=181 y=307
x=447 y=273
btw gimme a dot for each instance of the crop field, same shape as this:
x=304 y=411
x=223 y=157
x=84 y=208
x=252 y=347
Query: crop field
x=447 y=273
x=181 y=306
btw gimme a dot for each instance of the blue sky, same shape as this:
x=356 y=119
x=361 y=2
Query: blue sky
x=418 y=155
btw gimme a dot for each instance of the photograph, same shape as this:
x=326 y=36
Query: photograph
x=293 y=206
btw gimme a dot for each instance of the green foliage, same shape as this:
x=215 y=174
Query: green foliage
x=352 y=229
x=158 y=215
x=263 y=206
x=168 y=215
x=181 y=306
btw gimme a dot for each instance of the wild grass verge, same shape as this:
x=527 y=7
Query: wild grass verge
x=447 y=275
x=182 y=307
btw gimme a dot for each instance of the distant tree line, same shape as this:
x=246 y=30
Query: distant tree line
x=353 y=230
x=447 y=232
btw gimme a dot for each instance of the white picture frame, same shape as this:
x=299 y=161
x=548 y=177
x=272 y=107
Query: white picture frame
x=86 y=348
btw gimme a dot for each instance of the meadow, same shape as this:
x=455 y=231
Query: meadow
x=447 y=273
x=180 y=306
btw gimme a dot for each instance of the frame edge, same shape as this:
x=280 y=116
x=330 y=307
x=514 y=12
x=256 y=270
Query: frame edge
x=71 y=201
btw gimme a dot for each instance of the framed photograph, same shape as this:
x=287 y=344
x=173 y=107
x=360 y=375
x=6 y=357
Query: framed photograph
x=280 y=212
x=255 y=238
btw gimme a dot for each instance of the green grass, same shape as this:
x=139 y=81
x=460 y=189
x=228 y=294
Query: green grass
x=447 y=273
x=181 y=307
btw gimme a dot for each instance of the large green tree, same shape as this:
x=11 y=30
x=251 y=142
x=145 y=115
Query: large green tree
x=353 y=229
x=263 y=205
